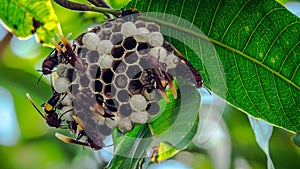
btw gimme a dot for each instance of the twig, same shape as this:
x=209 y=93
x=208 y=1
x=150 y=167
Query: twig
x=84 y=7
x=101 y=3
x=4 y=43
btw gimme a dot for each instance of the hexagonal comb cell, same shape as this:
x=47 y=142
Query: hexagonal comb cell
x=92 y=56
x=94 y=71
x=152 y=108
x=117 y=51
x=121 y=81
x=71 y=74
x=131 y=57
x=134 y=71
x=143 y=48
x=96 y=86
x=109 y=91
x=123 y=95
x=135 y=87
x=112 y=105
x=125 y=110
x=116 y=38
x=153 y=27
x=107 y=75
x=105 y=34
x=129 y=43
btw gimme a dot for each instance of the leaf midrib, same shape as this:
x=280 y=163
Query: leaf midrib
x=193 y=33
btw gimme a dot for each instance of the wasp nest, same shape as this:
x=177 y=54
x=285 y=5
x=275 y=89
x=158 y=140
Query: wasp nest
x=114 y=74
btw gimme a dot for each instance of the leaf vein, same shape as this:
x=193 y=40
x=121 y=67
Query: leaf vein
x=258 y=24
x=243 y=85
x=214 y=16
x=276 y=90
x=275 y=40
x=195 y=14
x=232 y=20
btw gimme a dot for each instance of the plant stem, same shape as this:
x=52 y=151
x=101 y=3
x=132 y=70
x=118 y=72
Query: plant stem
x=83 y=7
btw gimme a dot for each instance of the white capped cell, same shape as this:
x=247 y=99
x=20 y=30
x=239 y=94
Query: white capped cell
x=90 y=40
x=61 y=68
x=66 y=100
x=155 y=39
x=171 y=61
x=141 y=34
x=138 y=102
x=61 y=85
x=125 y=124
x=159 y=53
x=139 y=117
x=104 y=47
x=128 y=29
x=68 y=113
x=112 y=123
x=105 y=61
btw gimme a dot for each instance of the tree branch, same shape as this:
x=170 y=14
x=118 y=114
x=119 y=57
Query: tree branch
x=101 y=3
x=83 y=7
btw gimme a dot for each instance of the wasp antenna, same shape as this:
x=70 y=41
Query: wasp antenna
x=38 y=82
x=67 y=139
x=31 y=101
x=58 y=48
x=39 y=70
x=108 y=145
x=64 y=39
x=68 y=35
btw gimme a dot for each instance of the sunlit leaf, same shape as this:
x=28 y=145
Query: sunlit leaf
x=26 y=17
x=247 y=52
x=163 y=152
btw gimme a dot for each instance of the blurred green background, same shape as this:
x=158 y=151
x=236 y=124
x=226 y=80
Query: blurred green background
x=26 y=142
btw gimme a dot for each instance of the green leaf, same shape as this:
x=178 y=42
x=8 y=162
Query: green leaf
x=164 y=151
x=247 y=51
x=175 y=125
x=25 y=17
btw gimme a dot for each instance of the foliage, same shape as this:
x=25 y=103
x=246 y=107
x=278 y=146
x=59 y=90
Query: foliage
x=254 y=62
x=247 y=52
x=27 y=17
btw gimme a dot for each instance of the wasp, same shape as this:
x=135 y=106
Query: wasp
x=51 y=117
x=62 y=53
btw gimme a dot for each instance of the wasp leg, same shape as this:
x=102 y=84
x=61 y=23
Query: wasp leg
x=71 y=57
x=196 y=74
x=171 y=84
x=67 y=139
x=159 y=86
x=57 y=46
